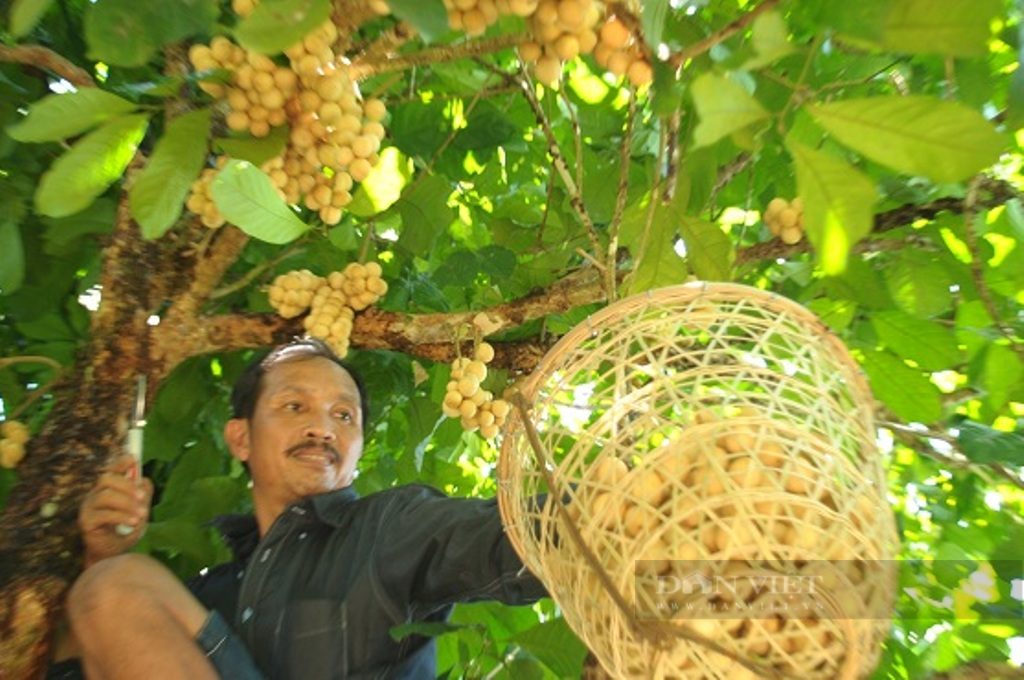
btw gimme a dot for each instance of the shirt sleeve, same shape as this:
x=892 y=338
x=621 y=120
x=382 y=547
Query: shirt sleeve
x=435 y=550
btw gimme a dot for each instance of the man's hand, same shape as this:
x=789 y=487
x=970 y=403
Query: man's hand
x=115 y=499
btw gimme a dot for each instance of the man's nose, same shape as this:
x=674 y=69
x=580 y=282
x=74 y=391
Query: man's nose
x=320 y=427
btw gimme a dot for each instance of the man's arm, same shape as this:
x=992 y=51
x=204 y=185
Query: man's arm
x=116 y=499
x=436 y=550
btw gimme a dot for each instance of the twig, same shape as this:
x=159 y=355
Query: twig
x=363 y=68
x=39 y=390
x=560 y=164
x=255 y=273
x=621 y=193
x=45 y=58
x=977 y=270
x=678 y=59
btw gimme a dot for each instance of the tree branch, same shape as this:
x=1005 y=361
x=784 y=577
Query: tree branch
x=38 y=56
x=363 y=67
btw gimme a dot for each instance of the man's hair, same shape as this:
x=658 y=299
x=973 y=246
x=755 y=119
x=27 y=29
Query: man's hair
x=246 y=391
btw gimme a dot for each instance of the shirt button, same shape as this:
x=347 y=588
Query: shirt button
x=265 y=555
x=246 y=614
x=302 y=535
x=240 y=575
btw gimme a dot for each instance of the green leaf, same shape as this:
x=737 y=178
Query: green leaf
x=918 y=135
x=770 y=36
x=383 y=186
x=157 y=196
x=90 y=166
x=838 y=202
x=919 y=283
x=25 y=14
x=659 y=266
x=906 y=391
x=930 y=345
x=709 y=250
x=555 y=645
x=256 y=150
x=246 y=198
x=959 y=28
x=128 y=33
x=60 y=116
x=425 y=214
x=429 y=18
x=1003 y=372
x=983 y=444
x=652 y=19
x=12 y=258
x=723 y=107
x=276 y=25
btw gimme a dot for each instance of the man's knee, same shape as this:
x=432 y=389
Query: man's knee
x=121 y=585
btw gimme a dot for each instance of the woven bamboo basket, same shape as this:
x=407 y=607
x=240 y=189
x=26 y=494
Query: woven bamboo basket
x=723 y=510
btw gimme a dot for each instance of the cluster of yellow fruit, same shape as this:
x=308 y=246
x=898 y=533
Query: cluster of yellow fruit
x=475 y=407
x=475 y=16
x=560 y=30
x=332 y=301
x=334 y=134
x=13 y=436
x=741 y=493
x=785 y=219
x=619 y=51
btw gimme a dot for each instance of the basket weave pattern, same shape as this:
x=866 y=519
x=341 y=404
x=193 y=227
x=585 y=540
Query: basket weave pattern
x=708 y=431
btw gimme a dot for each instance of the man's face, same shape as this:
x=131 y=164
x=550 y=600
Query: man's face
x=305 y=436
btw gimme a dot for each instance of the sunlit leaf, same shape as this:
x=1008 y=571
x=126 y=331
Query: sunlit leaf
x=723 y=107
x=928 y=344
x=555 y=645
x=128 y=33
x=246 y=198
x=906 y=391
x=770 y=35
x=275 y=25
x=960 y=28
x=159 y=193
x=425 y=214
x=838 y=201
x=90 y=166
x=60 y=116
x=918 y=135
x=652 y=19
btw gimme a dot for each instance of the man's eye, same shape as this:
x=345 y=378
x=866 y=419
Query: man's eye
x=292 y=406
x=344 y=416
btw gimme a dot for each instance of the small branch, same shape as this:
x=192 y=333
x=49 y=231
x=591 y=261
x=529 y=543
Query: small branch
x=977 y=268
x=39 y=390
x=255 y=273
x=678 y=59
x=38 y=56
x=917 y=441
x=621 y=194
x=363 y=68
x=561 y=165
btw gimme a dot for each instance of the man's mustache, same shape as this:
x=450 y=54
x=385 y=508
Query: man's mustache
x=303 y=446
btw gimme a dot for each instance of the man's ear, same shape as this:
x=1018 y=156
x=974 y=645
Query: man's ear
x=236 y=436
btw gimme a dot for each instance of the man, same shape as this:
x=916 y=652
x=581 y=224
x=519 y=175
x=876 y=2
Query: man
x=321 y=575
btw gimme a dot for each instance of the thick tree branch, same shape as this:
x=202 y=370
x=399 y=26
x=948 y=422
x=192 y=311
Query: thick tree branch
x=44 y=58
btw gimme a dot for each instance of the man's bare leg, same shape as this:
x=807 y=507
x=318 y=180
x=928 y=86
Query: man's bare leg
x=134 y=619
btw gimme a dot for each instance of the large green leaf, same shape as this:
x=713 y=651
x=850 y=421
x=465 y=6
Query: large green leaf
x=709 y=250
x=1002 y=374
x=723 y=107
x=25 y=14
x=555 y=645
x=959 y=28
x=429 y=18
x=906 y=391
x=128 y=33
x=919 y=283
x=246 y=198
x=770 y=36
x=276 y=25
x=12 y=258
x=158 y=194
x=918 y=135
x=838 y=201
x=90 y=166
x=930 y=345
x=60 y=116
x=425 y=214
